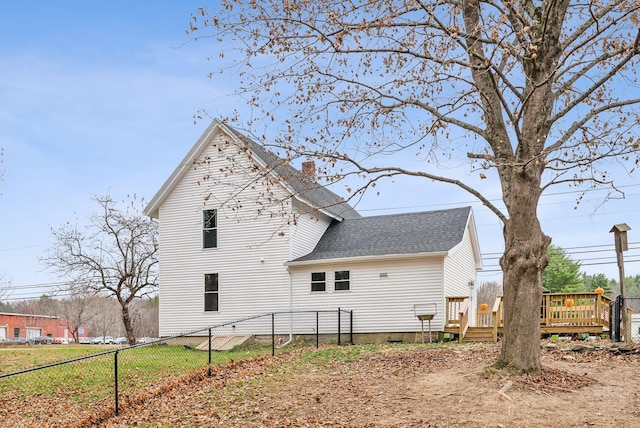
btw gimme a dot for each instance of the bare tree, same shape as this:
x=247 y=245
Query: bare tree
x=488 y=291
x=530 y=94
x=147 y=314
x=115 y=257
x=74 y=312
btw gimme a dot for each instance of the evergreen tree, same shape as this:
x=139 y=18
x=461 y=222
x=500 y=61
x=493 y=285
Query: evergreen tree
x=599 y=280
x=562 y=275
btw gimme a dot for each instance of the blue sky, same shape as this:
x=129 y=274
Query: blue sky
x=99 y=97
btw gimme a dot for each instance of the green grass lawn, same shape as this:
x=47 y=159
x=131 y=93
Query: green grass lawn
x=93 y=378
x=23 y=356
x=84 y=375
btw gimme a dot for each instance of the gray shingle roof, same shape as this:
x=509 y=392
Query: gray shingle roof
x=412 y=233
x=303 y=185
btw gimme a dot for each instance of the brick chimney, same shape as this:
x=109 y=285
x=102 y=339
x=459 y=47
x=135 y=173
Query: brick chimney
x=309 y=168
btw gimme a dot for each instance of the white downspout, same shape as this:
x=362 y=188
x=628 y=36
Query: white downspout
x=290 y=310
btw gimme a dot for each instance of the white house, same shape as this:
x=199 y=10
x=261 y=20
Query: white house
x=243 y=233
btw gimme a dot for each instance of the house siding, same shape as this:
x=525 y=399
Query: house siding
x=307 y=231
x=249 y=256
x=380 y=304
x=259 y=229
x=459 y=269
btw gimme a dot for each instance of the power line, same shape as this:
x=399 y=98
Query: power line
x=497 y=269
x=567 y=250
x=42 y=285
x=475 y=201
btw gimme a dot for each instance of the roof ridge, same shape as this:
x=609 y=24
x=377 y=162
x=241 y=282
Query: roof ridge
x=466 y=207
x=303 y=184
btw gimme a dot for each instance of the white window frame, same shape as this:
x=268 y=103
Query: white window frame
x=342 y=281
x=212 y=292
x=207 y=228
x=318 y=281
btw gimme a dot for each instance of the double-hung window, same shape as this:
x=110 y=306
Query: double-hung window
x=210 y=229
x=318 y=281
x=211 y=292
x=341 y=280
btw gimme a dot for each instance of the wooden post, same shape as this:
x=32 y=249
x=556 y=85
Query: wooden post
x=620 y=239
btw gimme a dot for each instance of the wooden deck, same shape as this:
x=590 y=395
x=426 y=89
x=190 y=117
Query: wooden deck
x=560 y=313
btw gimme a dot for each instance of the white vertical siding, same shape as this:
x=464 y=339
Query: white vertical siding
x=381 y=303
x=459 y=269
x=250 y=253
x=307 y=231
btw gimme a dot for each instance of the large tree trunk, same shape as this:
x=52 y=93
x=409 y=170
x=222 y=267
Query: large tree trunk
x=523 y=262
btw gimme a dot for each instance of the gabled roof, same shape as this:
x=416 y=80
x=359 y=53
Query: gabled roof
x=301 y=186
x=305 y=188
x=431 y=232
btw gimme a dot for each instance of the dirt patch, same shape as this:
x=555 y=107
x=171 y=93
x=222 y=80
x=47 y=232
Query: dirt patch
x=400 y=387
x=421 y=387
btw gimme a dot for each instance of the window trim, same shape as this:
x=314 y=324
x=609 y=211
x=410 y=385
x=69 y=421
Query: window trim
x=317 y=282
x=206 y=230
x=215 y=292
x=341 y=281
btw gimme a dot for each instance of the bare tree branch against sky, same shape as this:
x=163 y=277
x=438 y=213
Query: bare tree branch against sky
x=97 y=99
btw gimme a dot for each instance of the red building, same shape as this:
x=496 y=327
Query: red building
x=28 y=326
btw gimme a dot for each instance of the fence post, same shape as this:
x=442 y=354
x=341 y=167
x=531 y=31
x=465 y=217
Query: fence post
x=115 y=378
x=209 y=370
x=351 y=327
x=614 y=320
x=339 y=343
x=317 y=329
x=273 y=333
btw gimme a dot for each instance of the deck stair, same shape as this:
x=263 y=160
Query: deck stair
x=479 y=334
x=225 y=343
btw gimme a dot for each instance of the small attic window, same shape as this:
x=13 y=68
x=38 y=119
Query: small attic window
x=209 y=229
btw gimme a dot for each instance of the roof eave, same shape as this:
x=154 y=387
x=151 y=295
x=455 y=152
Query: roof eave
x=320 y=209
x=471 y=226
x=153 y=207
x=367 y=258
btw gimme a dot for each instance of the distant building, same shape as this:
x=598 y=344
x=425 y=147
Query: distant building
x=28 y=326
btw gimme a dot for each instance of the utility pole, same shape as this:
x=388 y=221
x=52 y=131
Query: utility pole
x=620 y=238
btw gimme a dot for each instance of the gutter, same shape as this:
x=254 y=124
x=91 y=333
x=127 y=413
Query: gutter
x=367 y=258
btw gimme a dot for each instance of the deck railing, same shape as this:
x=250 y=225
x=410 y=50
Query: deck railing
x=454 y=304
x=574 y=309
x=556 y=310
x=463 y=316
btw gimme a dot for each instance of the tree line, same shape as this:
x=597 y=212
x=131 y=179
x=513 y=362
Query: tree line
x=564 y=275
x=98 y=315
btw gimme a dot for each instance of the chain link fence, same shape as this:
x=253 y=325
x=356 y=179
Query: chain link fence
x=633 y=309
x=95 y=387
